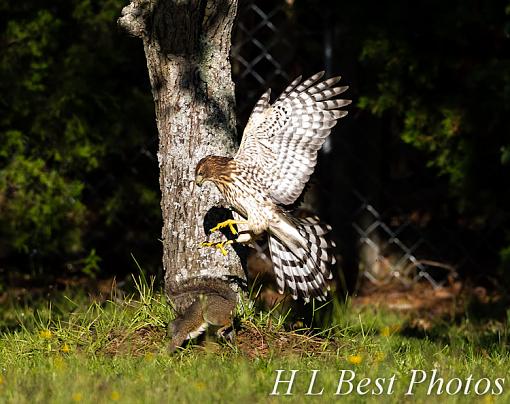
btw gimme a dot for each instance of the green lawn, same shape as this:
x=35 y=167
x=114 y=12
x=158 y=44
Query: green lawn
x=71 y=350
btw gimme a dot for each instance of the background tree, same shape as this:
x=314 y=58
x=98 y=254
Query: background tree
x=427 y=136
x=187 y=47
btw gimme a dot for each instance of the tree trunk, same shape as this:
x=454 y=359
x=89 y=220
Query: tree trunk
x=187 y=44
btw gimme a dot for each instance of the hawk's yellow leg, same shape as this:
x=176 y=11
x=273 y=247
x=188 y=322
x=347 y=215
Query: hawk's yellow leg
x=230 y=223
x=220 y=246
x=242 y=238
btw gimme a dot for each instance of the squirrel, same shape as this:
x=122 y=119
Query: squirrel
x=213 y=304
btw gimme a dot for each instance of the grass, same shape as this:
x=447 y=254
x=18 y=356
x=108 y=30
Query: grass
x=72 y=350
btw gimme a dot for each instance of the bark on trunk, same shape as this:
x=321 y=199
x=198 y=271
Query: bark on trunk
x=187 y=44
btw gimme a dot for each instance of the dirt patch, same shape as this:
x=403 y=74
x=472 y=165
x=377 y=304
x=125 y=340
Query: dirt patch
x=420 y=298
x=249 y=339
x=257 y=342
x=138 y=343
x=425 y=306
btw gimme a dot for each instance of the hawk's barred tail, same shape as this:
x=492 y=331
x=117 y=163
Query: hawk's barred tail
x=305 y=275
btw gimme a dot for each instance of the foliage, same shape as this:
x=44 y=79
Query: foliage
x=428 y=129
x=442 y=75
x=448 y=86
x=78 y=176
x=75 y=118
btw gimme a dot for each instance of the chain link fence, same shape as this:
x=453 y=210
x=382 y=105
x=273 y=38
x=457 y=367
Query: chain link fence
x=390 y=239
x=391 y=242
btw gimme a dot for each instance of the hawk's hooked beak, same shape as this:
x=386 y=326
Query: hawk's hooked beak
x=199 y=180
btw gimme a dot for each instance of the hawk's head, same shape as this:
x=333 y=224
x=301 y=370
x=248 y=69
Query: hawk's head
x=212 y=168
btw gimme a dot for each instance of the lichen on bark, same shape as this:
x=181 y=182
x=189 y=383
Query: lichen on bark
x=187 y=45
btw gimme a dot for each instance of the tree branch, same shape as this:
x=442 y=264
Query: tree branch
x=134 y=17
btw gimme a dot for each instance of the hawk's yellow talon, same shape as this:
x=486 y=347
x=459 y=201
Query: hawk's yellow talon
x=232 y=229
x=220 y=246
x=230 y=223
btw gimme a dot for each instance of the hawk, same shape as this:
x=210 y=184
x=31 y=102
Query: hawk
x=277 y=155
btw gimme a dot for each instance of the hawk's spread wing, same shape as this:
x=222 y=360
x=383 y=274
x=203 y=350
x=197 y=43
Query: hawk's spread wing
x=283 y=139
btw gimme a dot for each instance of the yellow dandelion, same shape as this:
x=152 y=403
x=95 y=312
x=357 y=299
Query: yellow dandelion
x=45 y=334
x=385 y=331
x=488 y=399
x=379 y=356
x=354 y=359
x=77 y=397
x=200 y=386
x=66 y=348
x=115 y=396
